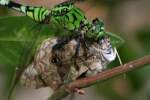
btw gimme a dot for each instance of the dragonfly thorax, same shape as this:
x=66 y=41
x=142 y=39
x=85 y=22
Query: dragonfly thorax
x=70 y=17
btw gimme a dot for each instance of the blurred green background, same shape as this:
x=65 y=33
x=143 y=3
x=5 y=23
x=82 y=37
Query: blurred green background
x=130 y=19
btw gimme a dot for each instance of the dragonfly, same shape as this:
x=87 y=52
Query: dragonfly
x=70 y=18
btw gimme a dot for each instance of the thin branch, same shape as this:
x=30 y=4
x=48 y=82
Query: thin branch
x=105 y=75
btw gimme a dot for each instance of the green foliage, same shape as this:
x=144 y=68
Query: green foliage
x=14 y=33
x=17 y=34
x=143 y=35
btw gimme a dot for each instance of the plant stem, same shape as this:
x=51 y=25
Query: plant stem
x=105 y=75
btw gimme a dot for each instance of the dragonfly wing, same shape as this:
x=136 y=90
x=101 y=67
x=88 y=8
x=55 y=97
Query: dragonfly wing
x=115 y=39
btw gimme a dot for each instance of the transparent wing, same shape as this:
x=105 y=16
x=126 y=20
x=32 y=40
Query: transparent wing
x=115 y=39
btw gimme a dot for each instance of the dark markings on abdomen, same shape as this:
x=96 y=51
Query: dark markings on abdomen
x=74 y=18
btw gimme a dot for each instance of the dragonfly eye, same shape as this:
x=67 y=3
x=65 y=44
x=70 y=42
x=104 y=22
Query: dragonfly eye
x=99 y=25
x=95 y=20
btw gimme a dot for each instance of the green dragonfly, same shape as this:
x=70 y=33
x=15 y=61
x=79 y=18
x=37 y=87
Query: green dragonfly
x=64 y=16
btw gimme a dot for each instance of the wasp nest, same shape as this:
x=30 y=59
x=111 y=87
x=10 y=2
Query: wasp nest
x=58 y=61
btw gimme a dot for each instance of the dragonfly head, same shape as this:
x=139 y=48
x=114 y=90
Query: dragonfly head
x=99 y=29
x=99 y=25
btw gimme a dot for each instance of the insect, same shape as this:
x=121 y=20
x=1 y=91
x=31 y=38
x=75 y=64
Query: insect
x=66 y=14
x=74 y=20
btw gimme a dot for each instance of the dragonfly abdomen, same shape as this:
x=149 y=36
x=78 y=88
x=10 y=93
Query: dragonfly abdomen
x=39 y=14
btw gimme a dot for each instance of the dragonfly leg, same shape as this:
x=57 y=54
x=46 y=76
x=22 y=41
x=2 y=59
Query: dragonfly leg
x=77 y=48
x=83 y=41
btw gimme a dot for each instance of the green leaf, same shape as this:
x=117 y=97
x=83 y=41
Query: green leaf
x=17 y=34
x=12 y=37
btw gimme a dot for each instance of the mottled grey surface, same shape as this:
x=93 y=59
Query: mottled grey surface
x=54 y=64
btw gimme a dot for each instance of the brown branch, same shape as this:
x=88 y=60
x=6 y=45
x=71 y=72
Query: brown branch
x=85 y=82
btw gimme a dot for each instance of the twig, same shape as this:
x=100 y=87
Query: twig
x=105 y=75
